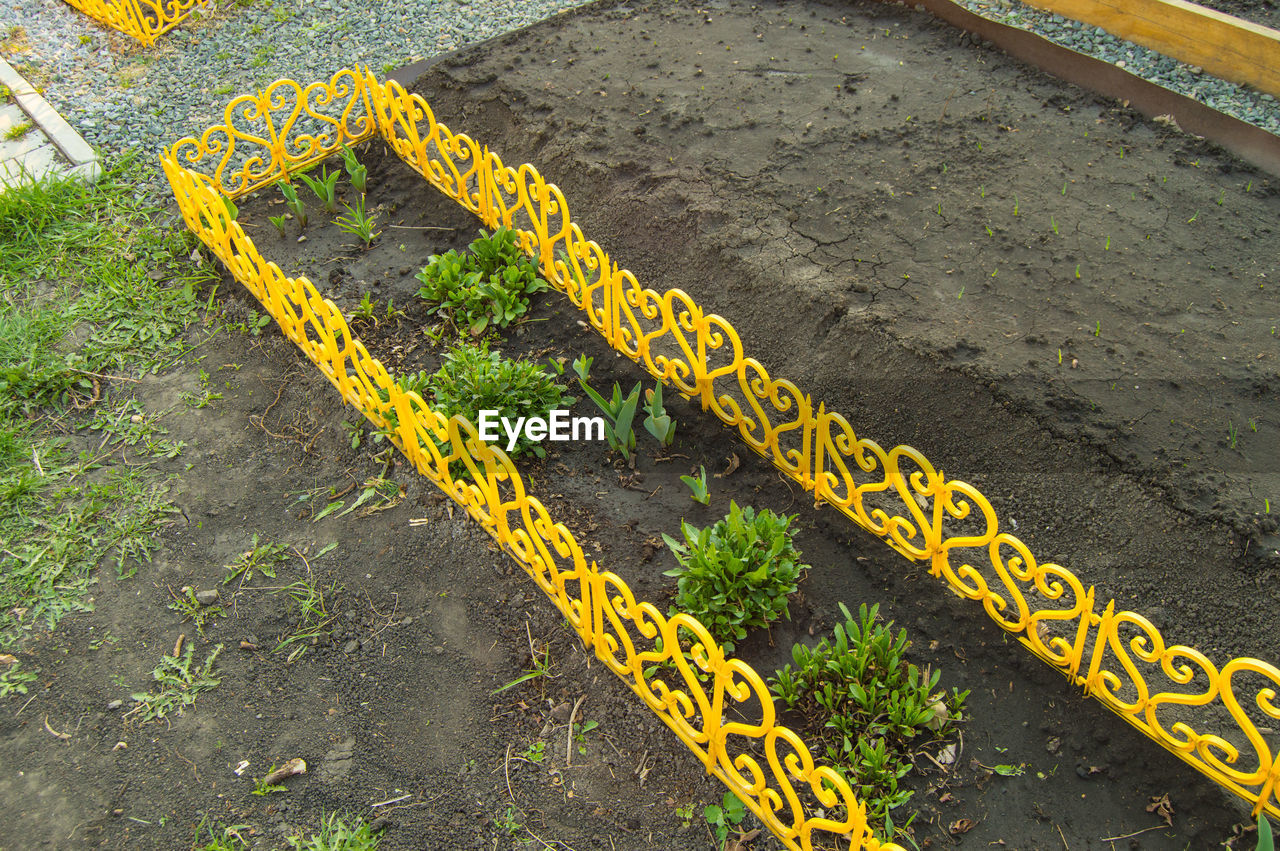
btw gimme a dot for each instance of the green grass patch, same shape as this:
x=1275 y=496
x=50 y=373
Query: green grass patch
x=94 y=286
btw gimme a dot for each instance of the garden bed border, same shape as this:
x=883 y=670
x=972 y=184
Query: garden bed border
x=908 y=504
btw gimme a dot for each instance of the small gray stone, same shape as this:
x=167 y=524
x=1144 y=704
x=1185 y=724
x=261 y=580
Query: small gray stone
x=351 y=646
x=114 y=705
x=207 y=597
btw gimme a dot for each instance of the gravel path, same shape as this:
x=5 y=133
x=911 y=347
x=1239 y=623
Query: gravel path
x=124 y=97
x=1240 y=101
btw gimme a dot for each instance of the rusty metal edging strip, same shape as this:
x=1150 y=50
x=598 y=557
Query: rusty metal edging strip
x=1250 y=143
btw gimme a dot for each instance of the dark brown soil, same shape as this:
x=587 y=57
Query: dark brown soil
x=833 y=204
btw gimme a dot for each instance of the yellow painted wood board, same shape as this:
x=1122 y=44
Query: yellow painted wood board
x=1225 y=46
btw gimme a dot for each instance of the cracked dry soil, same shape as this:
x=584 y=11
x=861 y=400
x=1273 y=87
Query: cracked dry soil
x=906 y=224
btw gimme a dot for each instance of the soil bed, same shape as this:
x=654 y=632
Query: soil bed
x=834 y=205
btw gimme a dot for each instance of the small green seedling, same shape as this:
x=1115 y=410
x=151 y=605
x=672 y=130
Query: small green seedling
x=295 y=205
x=659 y=422
x=582 y=367
x=364 y=310
x=620 y=413
x=233 y=212
x=278 y=221
x=698 y=484
x=725 y=817
x=1077 y=271
x=1053 y=224
x=580 y=734
x=325 y=188
x=357 y=222
x=355 y=170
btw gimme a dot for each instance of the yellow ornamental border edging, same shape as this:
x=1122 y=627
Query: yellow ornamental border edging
x=145 y=20
x=896 y=494
x=630 y=637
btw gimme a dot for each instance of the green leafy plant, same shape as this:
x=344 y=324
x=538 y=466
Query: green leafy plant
x=179 y=683
x=866 y=704
x=535 y=753
x=295 y=205
x=490 y=284
x=325 y=188
x=232 y=210
x=726 y=817
x=736 y=574
x=659 y=423
x=472 y=379
x=1266 y=840
x=620 y=414
x=358 y=173
x=260 y=557
x=698 y=486
x=278 y=221
x=358 y=223
x=15 y=680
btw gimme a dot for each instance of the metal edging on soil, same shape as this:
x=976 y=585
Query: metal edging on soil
x=1250 y=143
x=926 y=517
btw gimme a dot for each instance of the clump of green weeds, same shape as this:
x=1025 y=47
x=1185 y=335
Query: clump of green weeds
x=316 y=609
x=15 y=680
x=260 y=557
x=736 y=574
x=179 y=682
x=725 y=817
x=186 y=604
x=472 y=379
x=337 y=835
x=867 y=705
x=78 y=305
x=488 y=285
x=213 y=837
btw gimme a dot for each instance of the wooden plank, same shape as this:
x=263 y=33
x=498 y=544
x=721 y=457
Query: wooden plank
x=1225 y=46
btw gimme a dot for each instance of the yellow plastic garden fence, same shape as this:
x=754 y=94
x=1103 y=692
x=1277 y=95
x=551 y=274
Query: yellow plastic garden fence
x=145 y=20
x=1172 y=693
